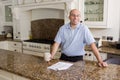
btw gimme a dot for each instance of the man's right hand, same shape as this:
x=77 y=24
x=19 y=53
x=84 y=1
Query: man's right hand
x=51 y=57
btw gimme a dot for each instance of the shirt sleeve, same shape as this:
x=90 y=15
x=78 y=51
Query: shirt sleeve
x=88 y=36
x=58 y=36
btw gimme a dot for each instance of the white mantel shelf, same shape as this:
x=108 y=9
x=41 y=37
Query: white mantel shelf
x=55 y=4
x=43 y=3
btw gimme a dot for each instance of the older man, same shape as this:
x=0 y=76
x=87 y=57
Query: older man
x=72 y=37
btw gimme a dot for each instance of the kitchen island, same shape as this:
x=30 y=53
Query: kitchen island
x=35 y=68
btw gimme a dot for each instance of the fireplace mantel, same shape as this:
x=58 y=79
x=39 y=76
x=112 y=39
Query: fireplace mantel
x=22 y=14
x=32 y=2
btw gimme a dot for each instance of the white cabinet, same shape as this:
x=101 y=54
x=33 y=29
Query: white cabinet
x=11 y=45
x=90 y=56
x=15 y=46
x=21 y=24
x=4 y=75
x=6 y=13
x=95 y=13
x=103 y=56
x=4 y=45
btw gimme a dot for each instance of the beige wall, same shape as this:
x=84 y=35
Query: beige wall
x=47 y=13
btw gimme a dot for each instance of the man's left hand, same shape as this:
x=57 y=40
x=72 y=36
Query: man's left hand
x=102 y=64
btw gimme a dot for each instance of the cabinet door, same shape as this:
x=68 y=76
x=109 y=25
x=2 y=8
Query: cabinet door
x=7 y=13
x=16 y=27
x=15 y=46
x=22 y=25
x=88 y=56
x=103 y=56
x=4 y=45
x=95 y=13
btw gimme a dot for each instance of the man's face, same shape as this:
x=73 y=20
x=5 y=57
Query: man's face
x=74 y=17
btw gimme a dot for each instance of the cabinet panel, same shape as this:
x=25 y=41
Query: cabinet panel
x=94 y=10
x=4 y=45
x=15 y=46
x=95 y=13
x=88 y=56
x=103 y=56
x=15 y=49
x=7 y=12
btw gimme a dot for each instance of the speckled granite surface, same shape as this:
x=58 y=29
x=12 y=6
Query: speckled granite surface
x=106 y=50
x=35 y=68
x=110 y=50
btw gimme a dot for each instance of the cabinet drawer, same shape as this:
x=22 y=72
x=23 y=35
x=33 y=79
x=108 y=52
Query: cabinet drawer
x=14 y=44
x=15 y=49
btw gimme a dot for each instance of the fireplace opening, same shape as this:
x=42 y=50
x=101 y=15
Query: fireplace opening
x=46 y=22
x=45 y=29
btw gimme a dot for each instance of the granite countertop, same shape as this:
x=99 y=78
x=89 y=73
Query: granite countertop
x=35 y=68
x=15 y=40
x=106 y=50
x=103 y=49
x=110 y=50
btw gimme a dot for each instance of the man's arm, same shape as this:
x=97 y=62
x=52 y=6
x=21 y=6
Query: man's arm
x=54 y=49
x=97 y=54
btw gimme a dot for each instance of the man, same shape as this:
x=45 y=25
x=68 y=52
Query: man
x=72 y=38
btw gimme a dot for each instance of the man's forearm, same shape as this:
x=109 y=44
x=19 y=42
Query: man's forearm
x=96 y=52
x=54 y=49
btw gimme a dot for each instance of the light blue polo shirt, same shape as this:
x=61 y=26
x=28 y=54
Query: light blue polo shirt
x=72 y=41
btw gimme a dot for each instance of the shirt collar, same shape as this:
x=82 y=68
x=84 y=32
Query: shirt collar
x=69 y=27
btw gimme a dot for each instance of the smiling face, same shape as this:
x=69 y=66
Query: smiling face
x=74 y=17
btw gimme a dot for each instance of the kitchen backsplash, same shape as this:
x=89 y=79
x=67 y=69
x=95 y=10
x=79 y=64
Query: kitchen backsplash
x=45 y=28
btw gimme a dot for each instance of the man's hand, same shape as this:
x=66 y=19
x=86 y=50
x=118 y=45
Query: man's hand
x=51 y=57
x=102 y=64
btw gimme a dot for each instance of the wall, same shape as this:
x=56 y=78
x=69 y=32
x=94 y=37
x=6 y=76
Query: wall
x=113 y=21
